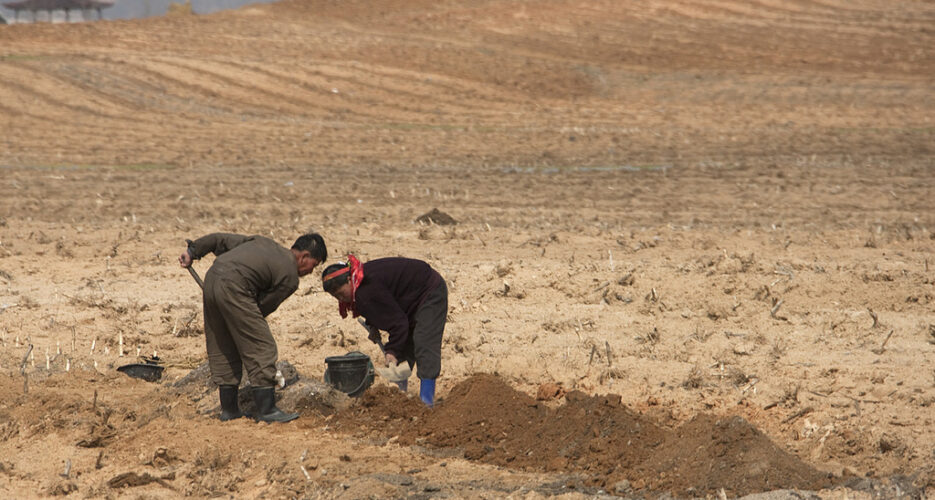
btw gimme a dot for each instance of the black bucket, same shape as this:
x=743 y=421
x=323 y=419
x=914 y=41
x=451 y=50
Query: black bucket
x=149 y=370
x=351 y=374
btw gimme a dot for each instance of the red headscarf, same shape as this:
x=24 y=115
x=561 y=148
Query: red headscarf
x=356 y=270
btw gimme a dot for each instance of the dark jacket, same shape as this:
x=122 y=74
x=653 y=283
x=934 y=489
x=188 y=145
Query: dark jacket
x=391 y=292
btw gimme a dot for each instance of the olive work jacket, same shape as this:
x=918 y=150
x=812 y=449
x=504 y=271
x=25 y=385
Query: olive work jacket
x=265 y=268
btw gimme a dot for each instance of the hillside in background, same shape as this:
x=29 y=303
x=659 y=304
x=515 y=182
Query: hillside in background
x=529 y=82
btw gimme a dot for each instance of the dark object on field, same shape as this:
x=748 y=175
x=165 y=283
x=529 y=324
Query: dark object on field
x=130 y=479
x=351 y=374
x=149 y=370
x=436 y=216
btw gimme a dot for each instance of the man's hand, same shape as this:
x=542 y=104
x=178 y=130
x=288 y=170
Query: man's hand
x=185 y=260
x=390 y=360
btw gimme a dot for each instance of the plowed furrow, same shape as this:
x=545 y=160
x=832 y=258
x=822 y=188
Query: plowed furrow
x=167 y=92
x=330 y=82
x=19 y=117
x=245 y=90
x=381 y=87
x=402 y=89
x=743 y=15
x=268 y=91
x=107 y=80
x=40 y=106
x=52 y=92
x=148 y=90
x=195 y=86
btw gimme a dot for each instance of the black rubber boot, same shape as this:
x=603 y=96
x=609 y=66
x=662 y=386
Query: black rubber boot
x=266 y=411
x=229 y=407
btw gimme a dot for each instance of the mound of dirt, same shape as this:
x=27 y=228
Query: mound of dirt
x=709 y=453
x=436 y=216
x=390 y=406
x=596 y=436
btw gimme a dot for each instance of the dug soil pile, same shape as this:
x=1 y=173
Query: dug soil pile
x=597 y=436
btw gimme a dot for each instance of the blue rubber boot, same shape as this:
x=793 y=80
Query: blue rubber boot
x=427 y=391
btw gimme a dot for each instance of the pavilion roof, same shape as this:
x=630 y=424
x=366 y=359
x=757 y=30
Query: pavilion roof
x=58 y=4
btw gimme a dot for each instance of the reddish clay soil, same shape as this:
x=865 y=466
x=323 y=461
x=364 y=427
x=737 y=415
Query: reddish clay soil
x=689 y=245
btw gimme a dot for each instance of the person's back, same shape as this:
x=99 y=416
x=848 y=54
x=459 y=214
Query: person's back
x=407 y=280
x=264 y=263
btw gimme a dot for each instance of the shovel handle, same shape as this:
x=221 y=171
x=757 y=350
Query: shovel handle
x=370 y=330
x=194 y=273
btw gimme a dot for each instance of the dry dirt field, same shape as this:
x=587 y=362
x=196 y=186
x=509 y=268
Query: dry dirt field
x=693 y=254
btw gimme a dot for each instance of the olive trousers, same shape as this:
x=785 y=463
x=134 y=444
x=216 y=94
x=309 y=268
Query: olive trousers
x=237 y=336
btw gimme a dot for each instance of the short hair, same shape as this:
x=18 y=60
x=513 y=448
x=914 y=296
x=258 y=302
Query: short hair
x=332 y=284
x=314 y=244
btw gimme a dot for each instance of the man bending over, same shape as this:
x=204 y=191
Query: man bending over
x=250 y=278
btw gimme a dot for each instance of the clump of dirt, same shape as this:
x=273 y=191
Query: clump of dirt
x=393 y=409
x=596 y=436
x=436 y=216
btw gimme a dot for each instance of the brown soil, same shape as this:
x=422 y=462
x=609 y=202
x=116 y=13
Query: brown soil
x=596 y=436
x=700 y=232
